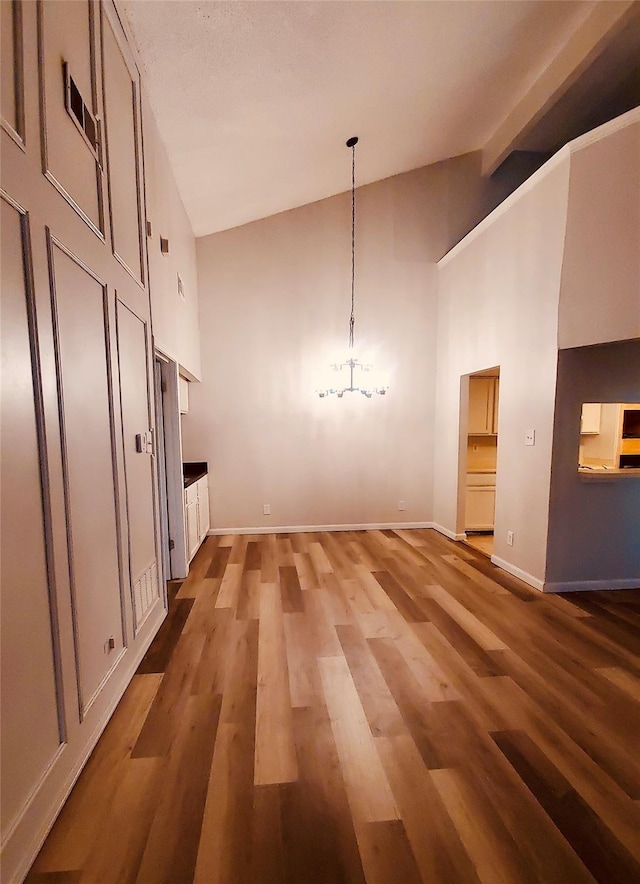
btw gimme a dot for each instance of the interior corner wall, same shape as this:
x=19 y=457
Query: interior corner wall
x=174 y=315
x=600 y=289
x=594 y=523
x=274 y=308
x=498 y=306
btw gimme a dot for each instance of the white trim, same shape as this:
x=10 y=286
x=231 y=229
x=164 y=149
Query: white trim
x=178 y=557
x=33 y=794
x=556 y=160
x=592 y=585
x=519 y=573
x=621 y=122
x=605 y=130
x=447 y=533
x=305 y=529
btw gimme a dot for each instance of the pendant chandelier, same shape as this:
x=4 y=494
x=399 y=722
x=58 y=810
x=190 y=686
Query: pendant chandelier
x=351 y=375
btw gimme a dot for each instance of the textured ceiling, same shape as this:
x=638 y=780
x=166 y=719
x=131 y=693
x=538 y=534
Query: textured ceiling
x=254 y=100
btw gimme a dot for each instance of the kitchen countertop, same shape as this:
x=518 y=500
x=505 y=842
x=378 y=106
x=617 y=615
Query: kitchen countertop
x=606 y=472
x=194 y=470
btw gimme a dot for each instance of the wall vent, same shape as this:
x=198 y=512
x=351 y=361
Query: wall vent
x=86 y=123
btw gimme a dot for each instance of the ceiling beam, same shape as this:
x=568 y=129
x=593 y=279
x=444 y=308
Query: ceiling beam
x=604 y=21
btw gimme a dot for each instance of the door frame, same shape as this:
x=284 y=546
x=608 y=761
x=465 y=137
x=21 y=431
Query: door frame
x=171 y=445
x=463 y=431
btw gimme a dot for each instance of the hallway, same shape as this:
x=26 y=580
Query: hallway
x=382 y=706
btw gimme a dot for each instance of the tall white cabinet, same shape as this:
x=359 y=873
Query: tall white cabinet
x=81 y=572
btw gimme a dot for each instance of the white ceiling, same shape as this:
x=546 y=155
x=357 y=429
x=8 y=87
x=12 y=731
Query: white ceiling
x=254 y=100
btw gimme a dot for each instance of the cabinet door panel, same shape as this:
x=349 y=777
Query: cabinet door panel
x=496 y=403
x=480 y=406
x=11 y=79
x=590 y=420
x=203 y=506
x=136 y=419
x=84 y=383
x=9 y=104
x=480 y=507
x=66 y=35
x=122 y=130
x=31 y=732
x=192 y=528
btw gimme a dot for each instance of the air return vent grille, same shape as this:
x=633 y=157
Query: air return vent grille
x=84 y=120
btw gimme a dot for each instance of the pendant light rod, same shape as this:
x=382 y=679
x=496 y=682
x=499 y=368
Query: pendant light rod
x=352 y=319
x=352 y=375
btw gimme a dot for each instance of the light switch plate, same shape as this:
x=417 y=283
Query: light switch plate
x=530 y=437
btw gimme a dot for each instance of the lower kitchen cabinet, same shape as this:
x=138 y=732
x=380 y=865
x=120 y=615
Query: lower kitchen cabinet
x=480 y=502
x=203 y=506
x=196 y=504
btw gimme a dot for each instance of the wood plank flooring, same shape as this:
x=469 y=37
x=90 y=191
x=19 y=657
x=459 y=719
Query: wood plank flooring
x=383 y=707
x=482 y=542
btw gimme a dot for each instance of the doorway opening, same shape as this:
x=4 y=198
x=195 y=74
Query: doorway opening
x=169 y=468
x=481 y=457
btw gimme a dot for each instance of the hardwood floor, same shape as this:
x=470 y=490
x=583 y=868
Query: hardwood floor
x=381 y=706
x=481 y=542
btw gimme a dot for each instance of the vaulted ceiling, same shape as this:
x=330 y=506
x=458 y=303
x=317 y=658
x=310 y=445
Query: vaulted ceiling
x=255 y=100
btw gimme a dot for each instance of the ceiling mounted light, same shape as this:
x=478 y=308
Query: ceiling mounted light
x=351 y=375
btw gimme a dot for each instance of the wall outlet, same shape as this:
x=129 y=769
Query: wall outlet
x=509 y=538
x=266 y=509
x=401 y=505
x=530 y=437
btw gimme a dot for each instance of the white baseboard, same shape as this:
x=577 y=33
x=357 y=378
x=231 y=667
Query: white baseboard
x=447 y=533
x=519 y=573
x=304 y=529
x=592 y=585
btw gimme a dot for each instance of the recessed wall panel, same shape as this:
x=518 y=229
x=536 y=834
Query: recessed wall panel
x=8 y=80
x=30 y=730
x=121 y=119
x=136 y=419
x=66 y=36
x=80 y=306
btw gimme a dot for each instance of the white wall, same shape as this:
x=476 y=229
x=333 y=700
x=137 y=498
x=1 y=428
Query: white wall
x=498 y=306
x=557 y=264
x=274 y=305
x=175 y=320
x=600 y=289
x=594 y=521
